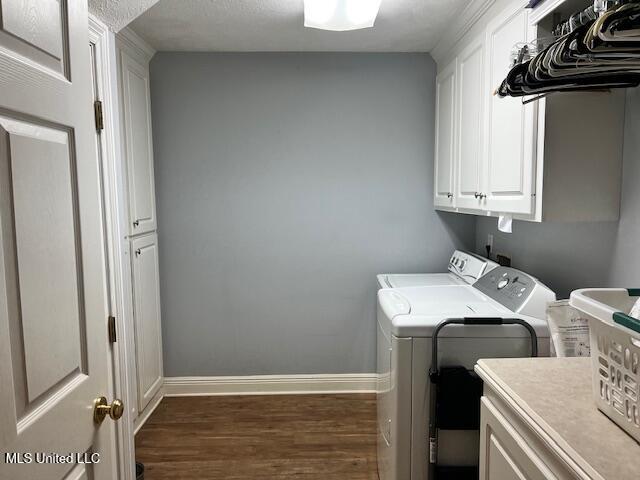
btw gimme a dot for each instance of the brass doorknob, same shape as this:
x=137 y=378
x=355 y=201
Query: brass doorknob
x=101 y=409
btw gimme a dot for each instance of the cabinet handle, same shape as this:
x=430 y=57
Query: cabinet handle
x=136 y=223
x=477 y=194
x=449 y=194
x=138 y=252
x=482 y=195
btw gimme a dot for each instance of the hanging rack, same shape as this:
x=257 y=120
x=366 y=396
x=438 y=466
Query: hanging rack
x=574 y=21
x=599 y=49
x=577 y=19
x=584 y=16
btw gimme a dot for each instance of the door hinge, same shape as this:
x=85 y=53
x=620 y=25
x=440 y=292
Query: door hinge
x=433 y=450
x=111 y=326
x=99 y=117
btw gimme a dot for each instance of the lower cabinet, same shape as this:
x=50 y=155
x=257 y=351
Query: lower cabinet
x=146 y=309
x=539 y=421
x=511 y=449
x=503 y=452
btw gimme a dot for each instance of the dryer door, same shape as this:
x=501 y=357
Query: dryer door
x=394 y=408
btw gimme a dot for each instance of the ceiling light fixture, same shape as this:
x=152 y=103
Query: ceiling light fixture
x=340 y=15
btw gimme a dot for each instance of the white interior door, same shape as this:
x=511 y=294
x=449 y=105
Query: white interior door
x=146 y=297
x=445 y=135
x=509 y=153
x=139 y=145
x=53 y=340
x=471 y=94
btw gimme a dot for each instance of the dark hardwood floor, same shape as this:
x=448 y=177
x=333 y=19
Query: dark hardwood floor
x=277 y=437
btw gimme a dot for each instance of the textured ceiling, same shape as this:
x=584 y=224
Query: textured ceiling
x=117 y=14
x=277 y=25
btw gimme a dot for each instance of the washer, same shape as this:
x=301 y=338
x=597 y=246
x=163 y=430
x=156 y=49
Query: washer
x=407 y=318
x=464 y=269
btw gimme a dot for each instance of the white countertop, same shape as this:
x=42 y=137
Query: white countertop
x=555 y=395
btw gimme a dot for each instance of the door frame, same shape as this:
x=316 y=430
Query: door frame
x=116 y=244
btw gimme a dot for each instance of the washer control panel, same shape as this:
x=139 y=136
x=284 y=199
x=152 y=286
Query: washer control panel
x=508 y=286
x=469 y=266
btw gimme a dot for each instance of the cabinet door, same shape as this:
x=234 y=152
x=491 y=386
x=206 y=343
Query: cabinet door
x=445 y=135
x=146 y=298
x=509 y=151
x=471 y=96
x=138 y=145
x=504 y=454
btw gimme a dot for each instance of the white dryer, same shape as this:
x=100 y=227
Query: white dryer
x=407 y=318
x=464 y=269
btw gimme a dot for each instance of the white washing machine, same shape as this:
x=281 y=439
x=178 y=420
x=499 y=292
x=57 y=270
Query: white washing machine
x=407 y=318
x=464 y=269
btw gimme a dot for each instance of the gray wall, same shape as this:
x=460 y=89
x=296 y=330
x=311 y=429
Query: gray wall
x=567 y=256
x=284 y=183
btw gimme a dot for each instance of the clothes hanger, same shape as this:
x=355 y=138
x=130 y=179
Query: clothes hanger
x=583 y=58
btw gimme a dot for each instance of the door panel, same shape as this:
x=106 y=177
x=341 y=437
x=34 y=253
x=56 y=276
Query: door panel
x=471 y=94
x=502 y=466
x=137 y=115
x=35 y=30
x=445 y=135
x=53 y=345
x=504 y=453
x=146 y=292
x=509 y=153
x=39 y=172
x=81 y=472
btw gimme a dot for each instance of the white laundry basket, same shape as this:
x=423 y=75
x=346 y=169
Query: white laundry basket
x=615 y=352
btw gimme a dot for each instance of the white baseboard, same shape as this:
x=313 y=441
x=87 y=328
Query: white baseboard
x=270 y=385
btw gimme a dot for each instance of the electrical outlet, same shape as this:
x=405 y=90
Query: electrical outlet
x=504 y=260
x=490 y=240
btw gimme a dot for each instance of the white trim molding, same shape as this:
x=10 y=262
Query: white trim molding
x=123 y=366
x=270 y=385
x=464 y=21
x=543 y=9
x=135 y=45
x=148 y=411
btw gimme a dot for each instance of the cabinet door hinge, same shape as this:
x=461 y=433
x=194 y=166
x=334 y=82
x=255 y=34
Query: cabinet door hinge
x=113 y=338
x=99 y=117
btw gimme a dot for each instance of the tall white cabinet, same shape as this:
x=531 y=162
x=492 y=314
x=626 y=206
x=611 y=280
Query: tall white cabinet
x=138 y=142
x=146 y=311
x=532 y=159
x=142 y=241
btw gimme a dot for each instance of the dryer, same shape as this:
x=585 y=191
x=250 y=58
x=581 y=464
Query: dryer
x=464 y=269
x=407 y=318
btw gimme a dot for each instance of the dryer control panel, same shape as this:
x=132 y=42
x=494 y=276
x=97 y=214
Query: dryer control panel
x=469 y=266
x=516 y=290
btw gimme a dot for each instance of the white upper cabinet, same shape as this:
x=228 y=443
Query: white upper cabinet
x=533 y=158
x=445 y=136
x=509 y=150
x=470 y=73
x=136 y=106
